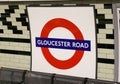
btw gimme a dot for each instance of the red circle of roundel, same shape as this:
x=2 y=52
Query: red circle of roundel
x=60 y=22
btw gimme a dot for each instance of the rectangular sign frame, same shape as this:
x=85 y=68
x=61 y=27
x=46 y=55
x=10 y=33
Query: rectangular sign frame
x=34 y=62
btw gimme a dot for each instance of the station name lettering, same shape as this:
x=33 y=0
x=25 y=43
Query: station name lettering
x=63 y=43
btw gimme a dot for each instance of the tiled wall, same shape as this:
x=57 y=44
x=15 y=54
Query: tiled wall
x=105 y=41
x=14 y=37
x=15 y=49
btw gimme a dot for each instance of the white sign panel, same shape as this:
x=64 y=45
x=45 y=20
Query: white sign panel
x=63 y=40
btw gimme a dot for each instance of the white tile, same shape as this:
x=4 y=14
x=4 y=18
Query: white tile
x=99 y=6
x=104 y=11
x=107 y=51
x=106 y=41
x=106 y=31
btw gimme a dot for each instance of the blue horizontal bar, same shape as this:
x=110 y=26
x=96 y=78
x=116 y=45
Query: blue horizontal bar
x=71 y=44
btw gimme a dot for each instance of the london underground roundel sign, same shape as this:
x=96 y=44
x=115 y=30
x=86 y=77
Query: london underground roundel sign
x=60 y=22
x=58 y=31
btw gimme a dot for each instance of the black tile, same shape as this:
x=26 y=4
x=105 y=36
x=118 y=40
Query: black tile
x=15 y=40
x=105 y=46
x=7 y=23
x=5 y=14
x=26 y=12
x=105 y=21
x=1 y=30
x=107 y=61
x=15 y=52
x=100 y=16
x=109 y=36
x=107 y=6
x=101 y=26
x=9 y=11
x=17 y=32
x=25 y=24
x=21 y=19
x=95 y=11
x=23 y=15
x=3 y=19
x=12 y=27
x=97 y=31
x=13 y=6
